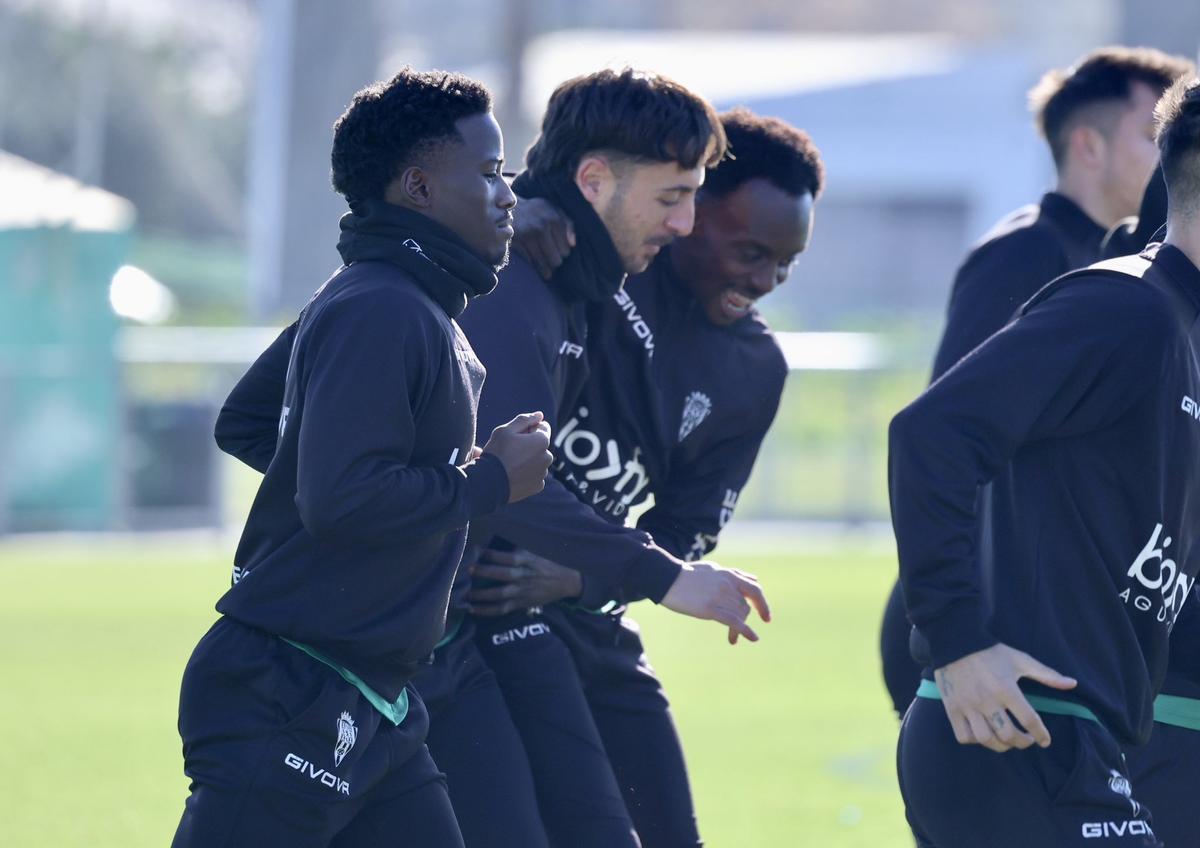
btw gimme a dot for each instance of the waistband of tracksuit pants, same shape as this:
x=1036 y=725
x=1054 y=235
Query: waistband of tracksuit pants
x=1178 y=711
x=394 y=712
x=1042 y=703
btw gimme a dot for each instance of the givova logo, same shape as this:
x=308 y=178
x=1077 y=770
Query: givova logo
x=516 y=634
x=1190 y=407
x=639 y=326
x=325 y=778
x=1155 y=573
x=1103 y=830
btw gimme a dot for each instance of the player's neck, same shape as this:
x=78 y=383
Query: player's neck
x=1185 y=235
x=1088 y=197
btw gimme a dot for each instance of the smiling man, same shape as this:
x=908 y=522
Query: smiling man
x=685 y=381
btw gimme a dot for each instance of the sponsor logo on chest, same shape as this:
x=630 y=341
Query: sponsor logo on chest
x=1159 y=586
x=597 y=469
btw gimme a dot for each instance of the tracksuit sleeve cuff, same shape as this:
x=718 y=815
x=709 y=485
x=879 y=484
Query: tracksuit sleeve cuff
x=487 y=485
x=652 y=574
x=956 y=633
x=596 y=594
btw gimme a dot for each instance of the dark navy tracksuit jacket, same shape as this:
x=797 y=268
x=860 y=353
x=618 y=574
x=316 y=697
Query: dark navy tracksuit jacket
x=1082 y=417
x=1019 y=255
x=675 y=408
x=365 y=468
x=1079 y=415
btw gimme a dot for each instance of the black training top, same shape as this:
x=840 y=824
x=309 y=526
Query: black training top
x=1017 y=257
x=675 y=407
x=533 y=341
x=359 y=525
x=1083 y=415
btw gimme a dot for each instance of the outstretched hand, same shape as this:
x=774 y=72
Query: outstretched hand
x=708 y=591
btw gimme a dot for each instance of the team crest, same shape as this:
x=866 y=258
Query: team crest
x=1119 y=783
x=347 y=736
x=695 y=409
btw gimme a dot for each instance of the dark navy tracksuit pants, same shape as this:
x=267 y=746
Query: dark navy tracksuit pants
x=634 y=718
x=580 y=801
x=1077 y=792
x=1166 y=774
x=901 y=673
x=474 y=741
x=281 y=750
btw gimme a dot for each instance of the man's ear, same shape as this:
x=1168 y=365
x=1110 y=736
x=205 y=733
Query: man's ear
x=595 y=179
x=412 y=188
x=1088 y=146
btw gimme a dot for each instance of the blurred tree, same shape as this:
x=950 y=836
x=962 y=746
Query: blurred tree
x=166 y=138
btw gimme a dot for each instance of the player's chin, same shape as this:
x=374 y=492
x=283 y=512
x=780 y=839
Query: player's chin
x=716 y=312
x=499 y=256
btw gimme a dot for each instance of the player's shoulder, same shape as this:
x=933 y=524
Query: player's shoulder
x=374 y=298
x=1024 y=233
x=521 y=296
x=762 y=364
x=1115 y=290
x=374 y=284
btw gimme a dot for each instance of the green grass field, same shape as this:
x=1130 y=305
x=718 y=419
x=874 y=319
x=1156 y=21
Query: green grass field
x=790 y=741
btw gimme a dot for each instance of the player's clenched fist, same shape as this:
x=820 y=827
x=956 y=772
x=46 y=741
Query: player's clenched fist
x=522 y=446
x=706 y=590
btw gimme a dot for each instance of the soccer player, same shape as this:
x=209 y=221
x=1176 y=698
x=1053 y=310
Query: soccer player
x=684 y=382
x=298 y=724
x=1097 y=119
x=622 y=153
x=1048 y=634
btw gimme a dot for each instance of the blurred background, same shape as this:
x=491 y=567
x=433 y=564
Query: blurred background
x=165 y=204
x=165 y=208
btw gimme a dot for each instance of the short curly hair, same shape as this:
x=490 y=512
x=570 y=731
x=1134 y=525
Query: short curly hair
x=633 y=115
x=388 y=124
x=1104 y=76
x=761 y=146
x=1178 y=120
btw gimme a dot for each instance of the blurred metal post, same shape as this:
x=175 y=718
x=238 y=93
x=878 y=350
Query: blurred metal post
x=266 y=183
x=91 y=111
x=518 y=27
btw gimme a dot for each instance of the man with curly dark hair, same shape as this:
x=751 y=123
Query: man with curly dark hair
x=1048 y=637
x=299 y=725
x=685 y=380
